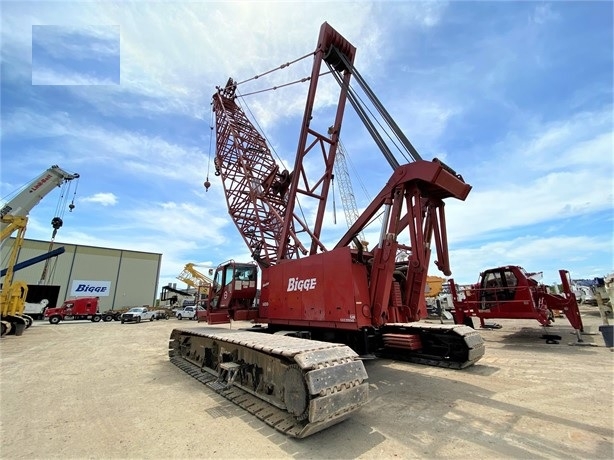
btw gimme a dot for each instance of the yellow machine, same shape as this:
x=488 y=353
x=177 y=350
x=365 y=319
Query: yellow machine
x=434 y=285
x=14 y=217
x=195 y=279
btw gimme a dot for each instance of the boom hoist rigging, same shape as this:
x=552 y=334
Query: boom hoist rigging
x=322 y=307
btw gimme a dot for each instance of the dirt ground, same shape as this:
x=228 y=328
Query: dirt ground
x=107 y=390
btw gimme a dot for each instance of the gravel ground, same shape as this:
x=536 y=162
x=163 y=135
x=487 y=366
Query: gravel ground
x=107 y=390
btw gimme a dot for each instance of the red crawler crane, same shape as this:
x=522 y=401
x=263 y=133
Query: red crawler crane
x=344 y=296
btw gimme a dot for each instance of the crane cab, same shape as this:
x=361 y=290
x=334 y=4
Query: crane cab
x=233 y=293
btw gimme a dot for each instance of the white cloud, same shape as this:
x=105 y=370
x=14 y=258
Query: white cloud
x=582 y=140
x=508 y=206
x=181 y=76
x=105 y=199
x=131 y=151
x=543 y=13
x=552 y=171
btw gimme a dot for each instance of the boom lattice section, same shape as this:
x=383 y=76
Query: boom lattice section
x=254 y=185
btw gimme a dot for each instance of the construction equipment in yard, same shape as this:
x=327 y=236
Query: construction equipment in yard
x=14 y=217
x=197 y=280
x=193 y=278
x=298 y=368
x=36 y=308
x=511 y=292
x=434 y=286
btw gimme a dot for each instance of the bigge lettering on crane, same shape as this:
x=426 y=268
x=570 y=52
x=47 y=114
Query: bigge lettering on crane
x=88 y=288
x=295 y=284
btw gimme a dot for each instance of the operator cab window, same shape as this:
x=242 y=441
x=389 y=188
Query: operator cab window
x=229 y=274
x=250 y=273
x=511 y=279
x=510 y=282
x=491 y=285
x=245 y=274
x=493 y=280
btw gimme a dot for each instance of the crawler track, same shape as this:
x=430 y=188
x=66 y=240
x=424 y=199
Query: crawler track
x=450 y=346
x=297 y=386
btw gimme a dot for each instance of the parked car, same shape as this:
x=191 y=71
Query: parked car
x=137 y=314
x=188 y=312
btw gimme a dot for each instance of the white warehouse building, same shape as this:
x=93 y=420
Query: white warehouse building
x=119 y=277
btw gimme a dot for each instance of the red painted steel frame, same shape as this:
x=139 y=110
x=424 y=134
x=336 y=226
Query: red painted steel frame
x=262 y=200
x=323 y=142
x=325 y=290
x=337 y=292
x=421 y=186
x=526 y=299
x=251 y=179
x=260 y=197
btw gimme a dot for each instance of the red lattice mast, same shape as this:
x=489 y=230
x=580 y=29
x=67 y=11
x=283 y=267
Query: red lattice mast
x=261 y=197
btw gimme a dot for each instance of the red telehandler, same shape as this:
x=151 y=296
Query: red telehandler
x=298 y=369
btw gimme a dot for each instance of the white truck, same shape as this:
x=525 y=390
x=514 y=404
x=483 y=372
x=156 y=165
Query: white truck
x=188 y=312
x=137 y=314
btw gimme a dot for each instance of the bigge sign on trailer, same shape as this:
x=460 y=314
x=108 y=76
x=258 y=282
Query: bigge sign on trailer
x=88 y=288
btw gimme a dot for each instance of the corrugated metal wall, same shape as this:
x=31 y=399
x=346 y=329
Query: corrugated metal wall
x=133 y=275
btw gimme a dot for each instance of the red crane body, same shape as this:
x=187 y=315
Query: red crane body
x=322 y=308
x=305 y=286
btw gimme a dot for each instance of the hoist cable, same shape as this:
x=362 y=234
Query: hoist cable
x=283 y=66
x=12 y=194
x=72 y=203
x=364 y=117
x=259 y=129
x=380 y=108
x=62 y=200
x=334 y=203
x=273 y=88
x=383 y=129
x=210 y=142
x=270 y=145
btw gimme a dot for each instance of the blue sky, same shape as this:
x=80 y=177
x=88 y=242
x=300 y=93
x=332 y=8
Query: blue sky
x=515 y=96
